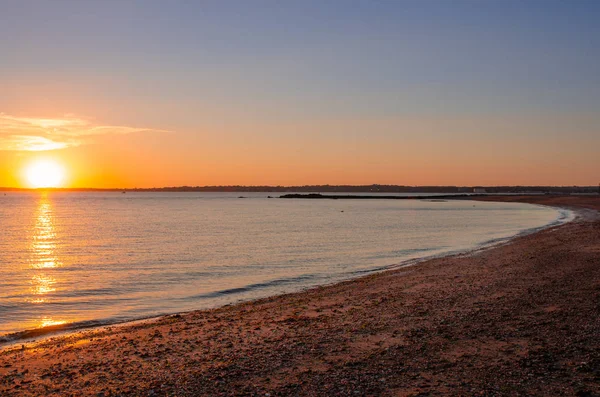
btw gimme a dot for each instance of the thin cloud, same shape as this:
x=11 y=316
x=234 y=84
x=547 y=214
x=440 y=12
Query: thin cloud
x=40 y=134
x=31 y=143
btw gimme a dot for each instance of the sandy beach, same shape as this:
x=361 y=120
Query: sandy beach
x=518 y=319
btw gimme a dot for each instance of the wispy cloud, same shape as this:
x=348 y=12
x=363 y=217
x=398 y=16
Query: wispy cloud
x=39 y=134
x=30 y=143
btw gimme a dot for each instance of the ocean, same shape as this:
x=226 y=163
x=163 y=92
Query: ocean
x=84 y=259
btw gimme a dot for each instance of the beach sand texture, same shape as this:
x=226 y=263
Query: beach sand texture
x=521 y=318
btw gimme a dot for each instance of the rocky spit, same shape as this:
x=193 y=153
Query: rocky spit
x=519 y=319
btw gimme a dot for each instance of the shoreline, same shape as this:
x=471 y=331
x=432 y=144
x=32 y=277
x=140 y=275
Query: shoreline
x=36 y=335
x=403 y=332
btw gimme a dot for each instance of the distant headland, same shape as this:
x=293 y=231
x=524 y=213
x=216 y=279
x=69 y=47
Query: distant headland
x=317 y=196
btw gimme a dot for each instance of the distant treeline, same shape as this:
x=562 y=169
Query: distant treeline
x=356 y=189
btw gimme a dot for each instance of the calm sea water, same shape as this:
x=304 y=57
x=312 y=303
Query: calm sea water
x=91 y=258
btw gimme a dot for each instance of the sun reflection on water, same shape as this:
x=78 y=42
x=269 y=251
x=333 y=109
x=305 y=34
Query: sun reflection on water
x=44 y=258
x=42 y=284
x=47 y=322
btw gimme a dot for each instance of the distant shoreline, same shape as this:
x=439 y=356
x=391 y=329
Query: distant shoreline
x=338 y=189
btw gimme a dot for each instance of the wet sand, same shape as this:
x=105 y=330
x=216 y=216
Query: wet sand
x=519 y=319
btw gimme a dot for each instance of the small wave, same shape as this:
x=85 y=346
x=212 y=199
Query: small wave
x=53 y=329
x=403 y=252
x=253 y=287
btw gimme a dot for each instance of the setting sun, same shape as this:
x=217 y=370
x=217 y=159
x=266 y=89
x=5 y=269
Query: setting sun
x=45 y=173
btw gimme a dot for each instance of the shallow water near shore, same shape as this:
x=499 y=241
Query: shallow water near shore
x=83 y=259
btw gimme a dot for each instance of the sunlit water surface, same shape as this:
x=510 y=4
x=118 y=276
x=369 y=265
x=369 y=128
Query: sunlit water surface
x=90 y=258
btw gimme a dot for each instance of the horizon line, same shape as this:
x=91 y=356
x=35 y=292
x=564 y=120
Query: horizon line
x=330 y=186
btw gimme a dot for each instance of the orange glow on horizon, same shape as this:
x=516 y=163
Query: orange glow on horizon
x=417 y=151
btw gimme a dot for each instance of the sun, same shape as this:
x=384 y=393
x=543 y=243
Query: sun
x=45 y=173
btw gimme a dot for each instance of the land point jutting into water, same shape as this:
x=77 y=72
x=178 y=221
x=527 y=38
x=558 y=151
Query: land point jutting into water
x=516 y=319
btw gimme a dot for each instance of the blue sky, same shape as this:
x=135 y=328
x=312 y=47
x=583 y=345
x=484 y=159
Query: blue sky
x=445 y=55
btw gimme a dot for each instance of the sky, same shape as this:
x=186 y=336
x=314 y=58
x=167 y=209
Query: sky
x=167 y=93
